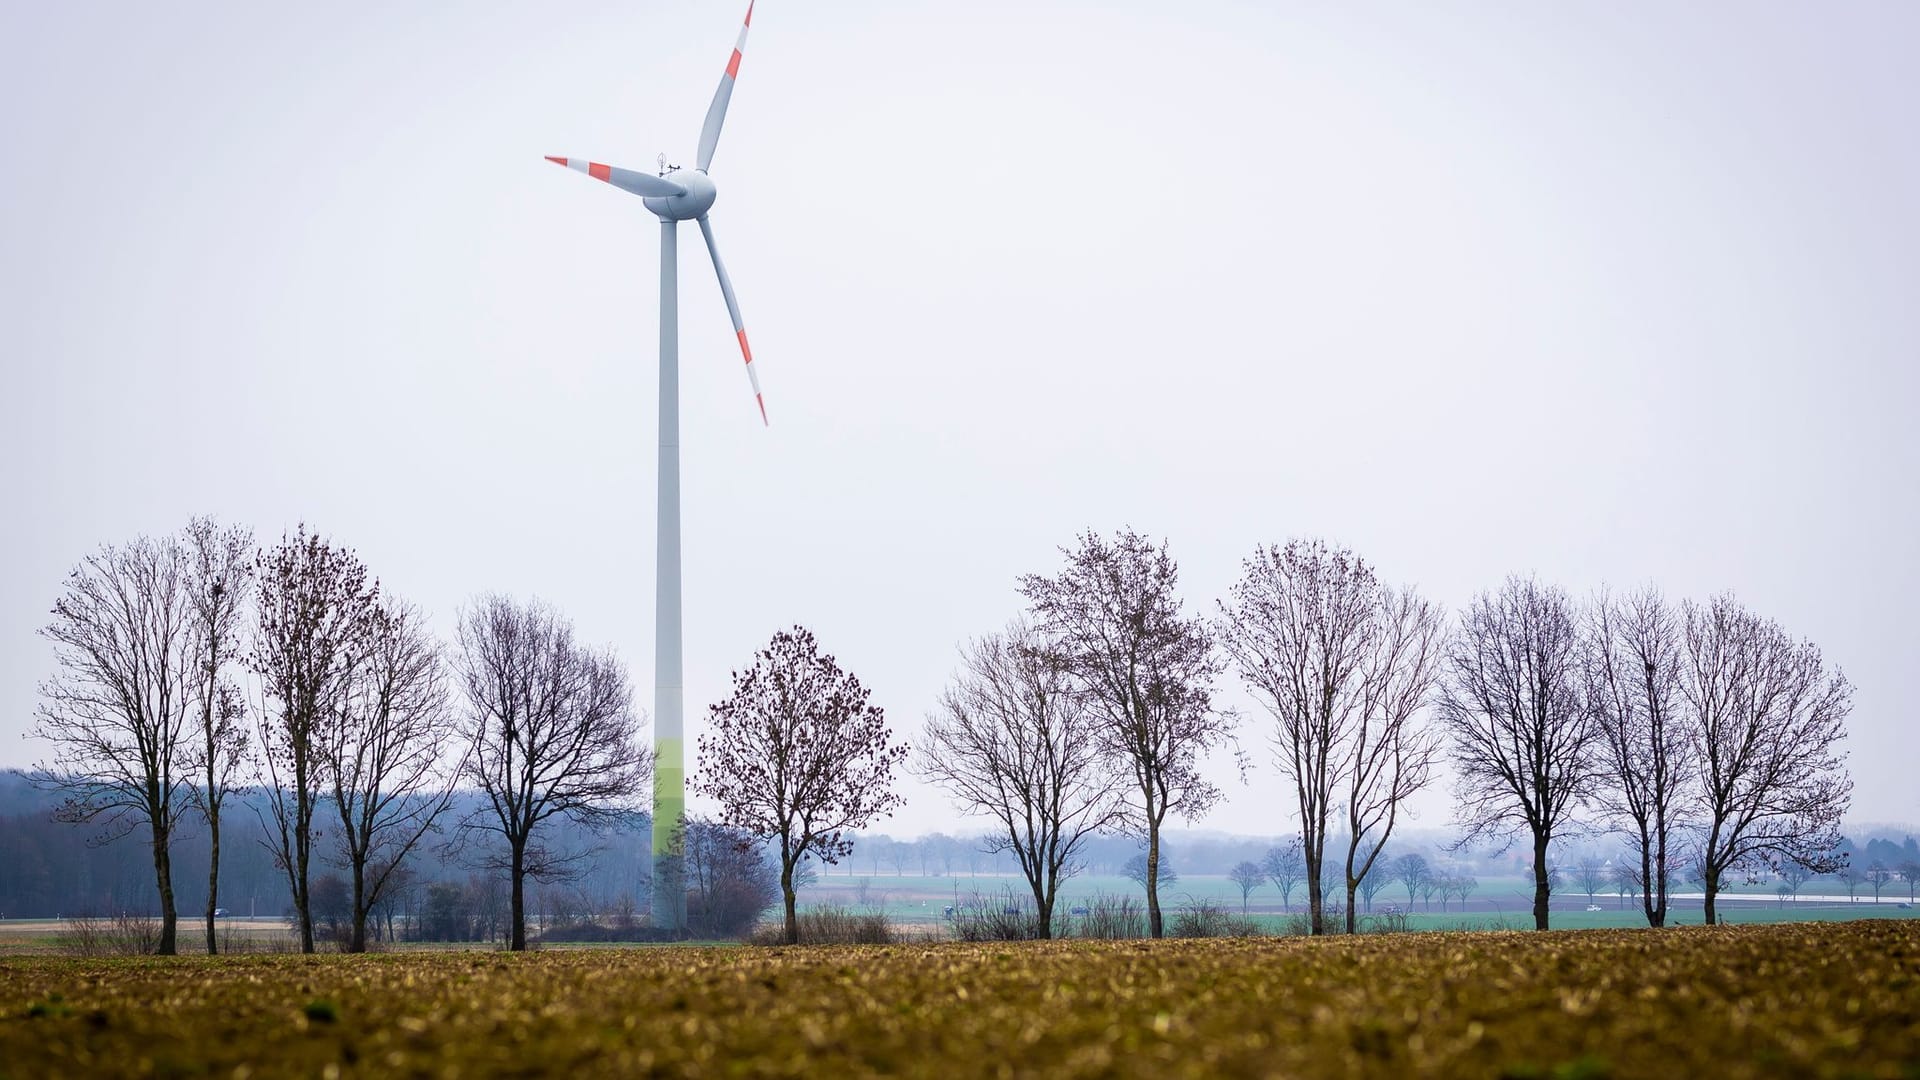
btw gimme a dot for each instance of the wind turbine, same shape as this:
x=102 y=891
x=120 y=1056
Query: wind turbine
x=675 y=195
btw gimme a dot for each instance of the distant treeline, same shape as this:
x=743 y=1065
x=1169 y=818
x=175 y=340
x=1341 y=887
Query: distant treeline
x=50 y=868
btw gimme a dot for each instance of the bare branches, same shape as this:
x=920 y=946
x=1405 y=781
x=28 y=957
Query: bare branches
x=1521 y=735
x=1768 y=719
x=1633 y=671
x=1392 y=750
x=316 y=604
x=385 y=756
x=117 y=713
x=798 y=753
x=550 y=731
x=1145 y=671
x=1010 y=740
x=1344 y=665
x=219 y=584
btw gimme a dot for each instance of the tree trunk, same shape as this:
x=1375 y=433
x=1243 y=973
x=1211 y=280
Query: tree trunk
x=1542 y=883
x=163 y=877
x=1316 y=897
x=1353 y=887
x=786 y=894
x=1712 y=888
x=1155 y=928
x=358 y=942
x=303 y=848
x=1043 y=910
x=517 y=874
x=213 y=878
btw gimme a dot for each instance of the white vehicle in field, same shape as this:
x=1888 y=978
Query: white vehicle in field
x=1593 y=907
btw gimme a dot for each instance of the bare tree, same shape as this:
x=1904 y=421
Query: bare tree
x=1633 y=671
x=1390 y=754
x=1249 y=876
x=1793 y=876
x=219 y=583
x=1012 y=741
x=729 y=883
x=118 y=712
x=1626 y=877
x=1910 y=873
x=1522 y=737
x=550 y=732
x=1370 y=886
x=1286 y=867
x=1878 y=874
x=316 y=603
x=1135 y=869
x=1412 y=871
x=799 y=754
x=1767 y=721
x=1849 y=875
x=386 y=757
x=1344 y=665
x=1145 y=671
x=1591 y=873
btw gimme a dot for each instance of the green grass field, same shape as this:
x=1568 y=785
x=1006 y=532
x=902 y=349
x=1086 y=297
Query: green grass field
x=1805 y=1000
x=919 y=899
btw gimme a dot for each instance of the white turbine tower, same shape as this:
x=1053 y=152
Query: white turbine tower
x=675 y=196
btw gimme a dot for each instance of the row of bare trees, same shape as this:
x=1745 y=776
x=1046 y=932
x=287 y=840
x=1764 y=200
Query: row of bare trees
x=1093 y=713
x=1701 y=726
x=1702 y=731
x=193 y=663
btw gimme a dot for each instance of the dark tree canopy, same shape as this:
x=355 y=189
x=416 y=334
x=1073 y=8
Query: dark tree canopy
x=800 y=755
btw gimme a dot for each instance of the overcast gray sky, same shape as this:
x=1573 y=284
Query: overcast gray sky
x=1613 y=293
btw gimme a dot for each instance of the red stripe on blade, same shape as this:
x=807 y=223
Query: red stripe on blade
x=556 y=160
x=749 y=12
x=733 y=65
x=744 y=350
x=599 y=171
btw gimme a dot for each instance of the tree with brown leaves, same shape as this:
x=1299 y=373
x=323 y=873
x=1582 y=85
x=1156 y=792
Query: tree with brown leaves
x=316 y=606
x=800 y=755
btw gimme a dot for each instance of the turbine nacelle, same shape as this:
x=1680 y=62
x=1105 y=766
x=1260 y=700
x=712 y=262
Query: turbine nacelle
x=691 y=206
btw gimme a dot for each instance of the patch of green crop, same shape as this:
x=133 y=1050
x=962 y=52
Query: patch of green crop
x=1820 y=1000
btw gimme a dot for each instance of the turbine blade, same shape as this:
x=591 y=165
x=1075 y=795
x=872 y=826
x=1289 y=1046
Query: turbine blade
x=717 y=112
x=638 y=183
x=733 y=312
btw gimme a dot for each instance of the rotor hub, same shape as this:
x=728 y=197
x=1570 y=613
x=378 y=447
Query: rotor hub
x=693 y=205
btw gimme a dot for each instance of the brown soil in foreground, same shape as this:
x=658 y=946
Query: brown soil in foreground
x=1821 y=999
